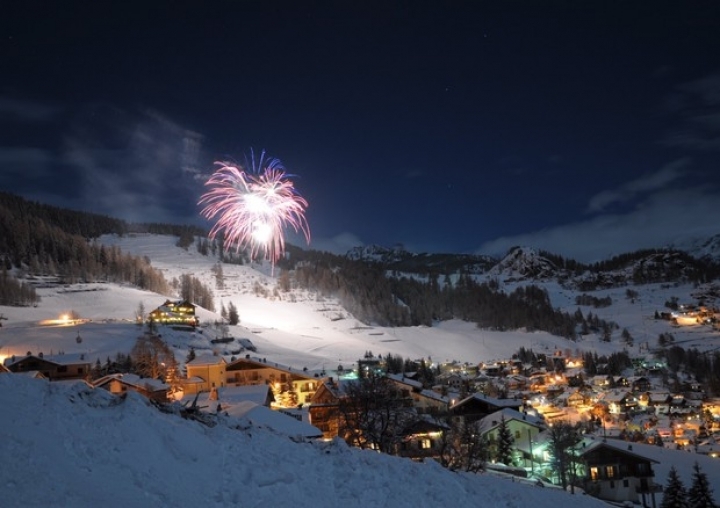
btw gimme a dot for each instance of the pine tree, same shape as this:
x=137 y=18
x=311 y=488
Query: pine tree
x=233 y=316
x=505 y=442
x=700 y=493
x=563 y=439
x=674 y=494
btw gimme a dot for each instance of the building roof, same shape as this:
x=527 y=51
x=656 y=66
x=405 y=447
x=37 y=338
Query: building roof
x=145 y=383
x=491 y=401
x=63 y=359
x=401 y=378
x=262 y=416
x=492 y=420
x=262 y=363
x=590 y=444
x=207 y=359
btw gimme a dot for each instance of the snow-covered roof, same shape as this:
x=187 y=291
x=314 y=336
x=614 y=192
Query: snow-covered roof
x=63 y=359
x=154 y=385
x=262 y=416
x=492 y=420
x=590 y=444
x=207 y=359
x=500 y=403
x=400 y=378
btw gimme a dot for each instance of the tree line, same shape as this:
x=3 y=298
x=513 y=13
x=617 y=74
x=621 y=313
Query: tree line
x=375 y=296
x=41 y=240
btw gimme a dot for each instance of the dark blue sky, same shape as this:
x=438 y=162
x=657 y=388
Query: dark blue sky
x=585 y=128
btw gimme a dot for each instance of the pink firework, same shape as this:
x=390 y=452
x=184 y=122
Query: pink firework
x=253 y=209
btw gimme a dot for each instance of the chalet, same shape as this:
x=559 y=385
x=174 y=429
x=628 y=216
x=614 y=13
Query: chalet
x=297 y=385
x=325 y=408
x=120 y=384
x=640 y=384
x=424 y=401
x=477 y=405
x=54 y=368
x=204 y=373
x=515 y=382
x=523 y=427
x=660 y=400
x=454 y=381
x=614 y=472
x=579 y=397
x=601 y=381
x=620 y=382
x=423 y=439
x=175 y=313
x=619 y=401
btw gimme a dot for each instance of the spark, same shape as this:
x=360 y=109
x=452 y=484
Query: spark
x=254 y=207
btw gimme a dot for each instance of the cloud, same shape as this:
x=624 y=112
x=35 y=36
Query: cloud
x=140 y=167
x=24 y=165
x=20 y=110
x=664 y=218
x=646 y=183
x=697 y=103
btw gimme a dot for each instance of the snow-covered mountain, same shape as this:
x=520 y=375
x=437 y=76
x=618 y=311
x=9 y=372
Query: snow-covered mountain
x=703 y=248
x=524 y=263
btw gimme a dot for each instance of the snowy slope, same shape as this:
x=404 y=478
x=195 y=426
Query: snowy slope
x=300 y=330
x=66 y=445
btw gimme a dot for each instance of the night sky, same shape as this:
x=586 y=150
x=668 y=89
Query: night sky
x=587 y=128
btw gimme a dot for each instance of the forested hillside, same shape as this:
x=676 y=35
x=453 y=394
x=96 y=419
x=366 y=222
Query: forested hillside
x=388 y=287
x=38 y=240
x=374 y=295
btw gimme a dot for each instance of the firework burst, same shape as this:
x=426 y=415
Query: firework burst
x=254 y=207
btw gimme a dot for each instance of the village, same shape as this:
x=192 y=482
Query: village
x=524 y=400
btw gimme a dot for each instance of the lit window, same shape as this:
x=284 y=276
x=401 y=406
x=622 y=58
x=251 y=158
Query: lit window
x=426 y=444
x=610 y=471
x=593 y=473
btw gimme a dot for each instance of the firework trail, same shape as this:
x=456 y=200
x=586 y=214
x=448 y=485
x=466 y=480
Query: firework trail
x=254 y=208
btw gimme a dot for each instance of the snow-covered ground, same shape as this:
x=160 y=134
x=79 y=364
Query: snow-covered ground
x=300 y=330
x=66 y=445
x=62 y=446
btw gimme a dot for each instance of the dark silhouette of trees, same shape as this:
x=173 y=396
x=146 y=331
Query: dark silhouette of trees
x=699 y=495
x=233 y=315
x=563 y=438
x=375 y=414
x=674 y=494
x=153 y=358
x=193 y=290
x=463 y=448
x=44 y=240
x=505 y=443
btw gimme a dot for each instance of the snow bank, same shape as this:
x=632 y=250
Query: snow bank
x=69 y=445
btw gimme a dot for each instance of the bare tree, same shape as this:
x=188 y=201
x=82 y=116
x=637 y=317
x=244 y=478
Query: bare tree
x=375 y=414
x=152 y=358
